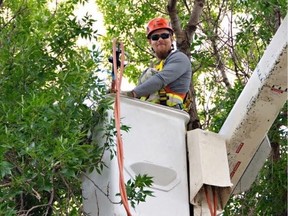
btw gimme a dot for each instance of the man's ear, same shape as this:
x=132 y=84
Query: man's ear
x=149 y=41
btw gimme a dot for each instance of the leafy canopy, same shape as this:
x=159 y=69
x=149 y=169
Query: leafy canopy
x=45 y=80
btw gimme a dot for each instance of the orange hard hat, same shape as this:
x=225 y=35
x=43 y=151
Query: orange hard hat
x=158 y=23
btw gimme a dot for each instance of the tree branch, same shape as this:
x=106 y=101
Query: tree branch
x=219 y=64
x=34 y=207
x=51 y=200
x=106 y=194
x=191 y=26
x=175 y=22
x=153 y=7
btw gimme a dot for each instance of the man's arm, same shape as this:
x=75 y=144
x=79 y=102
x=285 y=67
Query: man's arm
x=175 y=66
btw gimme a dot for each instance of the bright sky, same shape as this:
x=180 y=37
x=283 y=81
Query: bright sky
x=91 y=8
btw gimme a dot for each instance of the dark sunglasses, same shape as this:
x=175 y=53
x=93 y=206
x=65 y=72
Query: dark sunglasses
x=156 y=37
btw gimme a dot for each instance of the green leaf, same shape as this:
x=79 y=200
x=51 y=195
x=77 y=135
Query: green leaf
x=5 y=168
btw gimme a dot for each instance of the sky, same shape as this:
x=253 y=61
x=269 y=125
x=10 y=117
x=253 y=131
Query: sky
x=91 y=8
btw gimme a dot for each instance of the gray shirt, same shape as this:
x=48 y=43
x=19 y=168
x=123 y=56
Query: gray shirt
x=176 y=74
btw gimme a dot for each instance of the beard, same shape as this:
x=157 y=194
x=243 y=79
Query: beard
x=162 y=54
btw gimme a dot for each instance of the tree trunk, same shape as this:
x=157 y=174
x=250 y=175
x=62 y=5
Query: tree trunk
x=183 y=42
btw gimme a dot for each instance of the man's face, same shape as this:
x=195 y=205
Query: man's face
x=161 y=42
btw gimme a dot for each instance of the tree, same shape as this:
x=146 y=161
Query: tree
x=45 y=80
x=225 y=41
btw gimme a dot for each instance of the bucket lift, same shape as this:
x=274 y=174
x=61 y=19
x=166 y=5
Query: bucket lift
x=219 y=164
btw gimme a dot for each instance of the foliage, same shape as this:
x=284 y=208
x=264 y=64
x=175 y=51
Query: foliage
x=215 y=116
x=45 y=82
x=137 y=189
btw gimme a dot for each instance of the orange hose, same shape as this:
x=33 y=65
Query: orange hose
x=213 y=211
x=215 y=200
x=120 y=157
x=208 y=199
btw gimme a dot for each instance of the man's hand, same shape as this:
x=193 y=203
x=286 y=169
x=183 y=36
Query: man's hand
x=128 y=93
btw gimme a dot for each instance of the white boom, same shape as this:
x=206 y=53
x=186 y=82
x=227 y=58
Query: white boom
x=257 y=107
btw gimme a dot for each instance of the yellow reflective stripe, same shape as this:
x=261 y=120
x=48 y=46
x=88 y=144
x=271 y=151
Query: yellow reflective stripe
x=174 y=99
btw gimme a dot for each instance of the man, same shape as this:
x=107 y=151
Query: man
x=170 y=83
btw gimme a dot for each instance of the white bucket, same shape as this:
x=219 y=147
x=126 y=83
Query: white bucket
x=156 y=146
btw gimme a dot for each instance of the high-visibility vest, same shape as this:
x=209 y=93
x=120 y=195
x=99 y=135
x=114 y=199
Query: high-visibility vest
x=165 y=96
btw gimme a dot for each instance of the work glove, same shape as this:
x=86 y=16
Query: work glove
x=146 y=74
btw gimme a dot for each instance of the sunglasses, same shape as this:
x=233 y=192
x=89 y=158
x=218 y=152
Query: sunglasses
x=156 y=37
